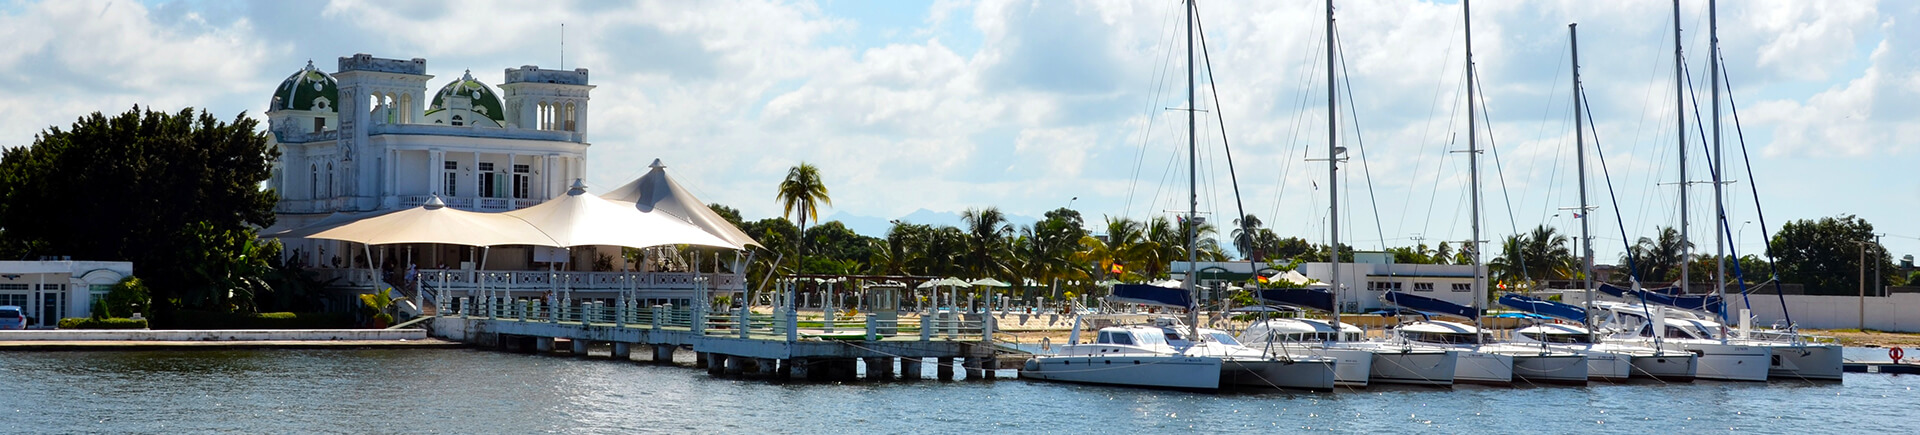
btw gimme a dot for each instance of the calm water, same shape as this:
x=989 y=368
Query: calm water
x=469 y=391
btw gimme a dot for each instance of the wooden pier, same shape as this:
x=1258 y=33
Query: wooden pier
x=780 y=345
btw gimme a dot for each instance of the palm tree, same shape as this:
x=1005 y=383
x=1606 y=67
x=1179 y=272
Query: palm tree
x=1534 y=257
x=1657 y=260
x=1246 y=238
x=989 y=233
x=802 y=193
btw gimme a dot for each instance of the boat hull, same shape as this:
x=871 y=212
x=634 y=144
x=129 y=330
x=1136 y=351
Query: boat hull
x=1413 y=366
x=1555 y=368
x=1150 y=371
x=1310 y=374
x=1482 y=368
x=1353 y=367
x=1726 y=362
x=1666 y=367
x=1820 y=362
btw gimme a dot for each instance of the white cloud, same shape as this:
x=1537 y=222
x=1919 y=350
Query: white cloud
x=1045 y=100
x=67 y=59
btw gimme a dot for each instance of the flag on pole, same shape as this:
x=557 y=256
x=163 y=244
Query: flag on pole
x=1117 y=269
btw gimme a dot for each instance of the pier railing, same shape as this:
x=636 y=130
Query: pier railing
x=779 y=325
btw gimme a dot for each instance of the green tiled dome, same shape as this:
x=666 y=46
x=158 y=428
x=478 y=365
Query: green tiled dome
x=485 y=102
x=307 y=89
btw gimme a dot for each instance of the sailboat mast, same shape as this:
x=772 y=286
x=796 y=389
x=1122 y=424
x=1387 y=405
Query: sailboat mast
x=1580 y=153
x=1193 y=196
x=1679 y=113
x=1333 y=181
x=1473 y=170
x=1719 y=164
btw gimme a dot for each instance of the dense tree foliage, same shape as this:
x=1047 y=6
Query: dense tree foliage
x=175 y=193
x=1825 y=254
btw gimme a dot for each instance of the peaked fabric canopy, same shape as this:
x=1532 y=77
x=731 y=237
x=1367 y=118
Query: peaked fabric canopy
x=434 y=222
x=332 y=221
x=657 y=193
x=580 y=218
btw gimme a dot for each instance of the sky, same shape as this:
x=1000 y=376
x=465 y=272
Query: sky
x=1034 y=105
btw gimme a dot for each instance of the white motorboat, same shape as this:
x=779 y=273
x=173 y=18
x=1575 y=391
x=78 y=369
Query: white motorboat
x=1361 y=361
x=1613 y=362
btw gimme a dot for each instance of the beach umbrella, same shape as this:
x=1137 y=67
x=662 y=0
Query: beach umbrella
x=990 y=282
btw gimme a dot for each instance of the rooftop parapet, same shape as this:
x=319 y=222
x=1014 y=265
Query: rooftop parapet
x=533 y=74
x=366 y=62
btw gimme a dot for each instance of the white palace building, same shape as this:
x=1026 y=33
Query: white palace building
x=369 y=138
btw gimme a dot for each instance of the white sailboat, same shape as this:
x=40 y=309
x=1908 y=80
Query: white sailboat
x=1609 y=362
x=1794 y=357
x=1481 y=360
x=1163 y=355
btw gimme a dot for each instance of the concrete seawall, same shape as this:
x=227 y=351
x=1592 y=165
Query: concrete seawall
x=140 y=339
x=213 y=335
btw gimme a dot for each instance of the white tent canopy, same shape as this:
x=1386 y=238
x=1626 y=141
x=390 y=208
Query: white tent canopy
x=580 y=218
x=335 y=220
x=657 y=193
x=434 y=222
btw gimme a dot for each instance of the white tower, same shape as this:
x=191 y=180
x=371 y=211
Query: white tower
x=546 y=99
x=374 y=92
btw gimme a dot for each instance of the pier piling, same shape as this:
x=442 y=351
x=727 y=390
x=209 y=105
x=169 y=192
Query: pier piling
x=622 y=351
x=911 y=368
x=944 y=369
x=543 y=345
x=580 y=347
x=663 y=354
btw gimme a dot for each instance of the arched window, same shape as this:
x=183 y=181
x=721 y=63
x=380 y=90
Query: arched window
x=329 y=179
x=568 y=120
x=313 y=181
x=540 y=112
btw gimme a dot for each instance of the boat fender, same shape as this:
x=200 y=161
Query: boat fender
x=1046 y=343
x=1896 y=354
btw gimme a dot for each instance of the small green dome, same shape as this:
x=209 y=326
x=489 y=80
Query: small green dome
x=307 y=89
x=485 y=102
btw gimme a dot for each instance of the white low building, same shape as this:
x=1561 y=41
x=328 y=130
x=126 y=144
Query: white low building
x=1362 y=281
x=51 y=290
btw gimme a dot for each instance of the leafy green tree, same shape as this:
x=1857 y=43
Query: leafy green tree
x=1296 y=248
x=834 y=241
x=140 y=186
x=1825 y=254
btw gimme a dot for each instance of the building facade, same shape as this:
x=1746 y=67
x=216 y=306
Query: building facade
x=1362 y=281
x=50 y=290
x=369 y=137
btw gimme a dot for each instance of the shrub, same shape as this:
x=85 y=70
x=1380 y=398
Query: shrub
x=128 y=296
x=102 y=323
